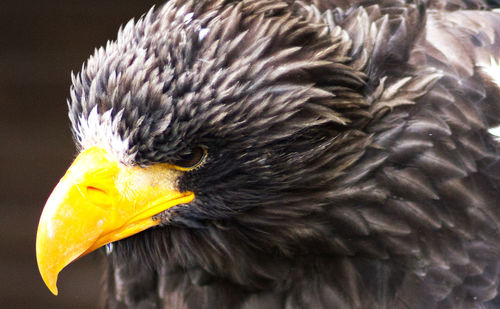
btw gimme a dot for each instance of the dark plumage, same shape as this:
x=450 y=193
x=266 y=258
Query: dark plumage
x=349 y=163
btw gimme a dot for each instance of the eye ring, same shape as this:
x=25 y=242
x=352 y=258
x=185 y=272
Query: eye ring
x=194 y=159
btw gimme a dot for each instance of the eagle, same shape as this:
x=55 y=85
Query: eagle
x=287 y=154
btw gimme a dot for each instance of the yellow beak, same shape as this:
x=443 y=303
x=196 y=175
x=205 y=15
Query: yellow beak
x=99 y=201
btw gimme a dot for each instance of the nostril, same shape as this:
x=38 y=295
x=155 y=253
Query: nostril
x=98 y=196
x=90 y=188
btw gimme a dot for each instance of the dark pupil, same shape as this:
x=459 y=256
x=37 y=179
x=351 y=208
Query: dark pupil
x=190 y=159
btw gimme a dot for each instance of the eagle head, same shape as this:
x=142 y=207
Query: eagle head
x=215 y=130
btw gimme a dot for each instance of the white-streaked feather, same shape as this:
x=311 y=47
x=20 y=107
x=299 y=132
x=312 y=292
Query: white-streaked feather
x=496 y=132
x=102 y=130
x=492 y=70
x=203 y=34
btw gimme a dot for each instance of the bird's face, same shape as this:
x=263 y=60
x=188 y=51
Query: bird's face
x=194 y=114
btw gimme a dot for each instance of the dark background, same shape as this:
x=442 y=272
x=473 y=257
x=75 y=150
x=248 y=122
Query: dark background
x=41 y=42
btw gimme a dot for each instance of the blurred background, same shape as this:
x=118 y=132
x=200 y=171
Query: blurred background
x=41 y=42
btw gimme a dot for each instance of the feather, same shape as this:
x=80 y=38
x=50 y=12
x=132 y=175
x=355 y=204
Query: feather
x=410 y=181
x=423 y=214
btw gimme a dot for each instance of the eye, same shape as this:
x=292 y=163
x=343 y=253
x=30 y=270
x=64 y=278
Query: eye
x=191 y=159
